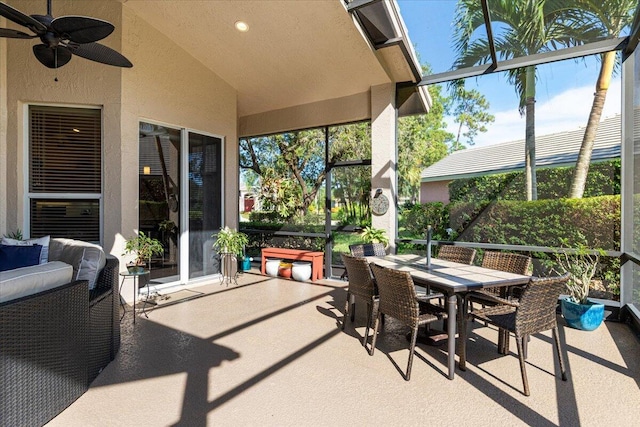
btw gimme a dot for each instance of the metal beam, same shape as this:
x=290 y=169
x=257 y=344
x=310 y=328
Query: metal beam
x=635 y=34
x=525 y=61
x=359 y=4
x=487 y=26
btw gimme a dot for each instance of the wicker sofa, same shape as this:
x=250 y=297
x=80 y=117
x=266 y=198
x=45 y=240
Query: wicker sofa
x=53 y=344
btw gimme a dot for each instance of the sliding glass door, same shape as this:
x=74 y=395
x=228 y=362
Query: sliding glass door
x=159 y=196
x=205 y=202
x=182 y=217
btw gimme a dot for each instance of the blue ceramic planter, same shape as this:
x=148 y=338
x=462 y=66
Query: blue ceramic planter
x=586 y=317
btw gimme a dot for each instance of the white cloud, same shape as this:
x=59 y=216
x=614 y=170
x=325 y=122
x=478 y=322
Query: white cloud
x=568 y=110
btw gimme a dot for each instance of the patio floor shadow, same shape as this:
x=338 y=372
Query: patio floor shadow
x=271 y=352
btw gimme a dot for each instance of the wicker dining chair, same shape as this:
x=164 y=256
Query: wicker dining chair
x=363 y=250
x=398 y=300
x=361 y=285
x=503 y=261
x=368 y=249
x=457 y=254
x=534 y=312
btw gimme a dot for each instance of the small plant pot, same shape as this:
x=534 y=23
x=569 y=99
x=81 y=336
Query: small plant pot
x=301 y=271
x=135 y=268
x=284 y=270
x=585 y=317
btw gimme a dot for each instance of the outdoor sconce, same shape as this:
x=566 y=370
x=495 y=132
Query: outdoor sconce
x=146 y=170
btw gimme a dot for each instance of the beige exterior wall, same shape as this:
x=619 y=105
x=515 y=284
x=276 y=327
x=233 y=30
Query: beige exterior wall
x=340 y=110
x=165 y=85
x=3 y=133
x=383 y=156
x=169 y=86
x=434 y=192
x=80 y=83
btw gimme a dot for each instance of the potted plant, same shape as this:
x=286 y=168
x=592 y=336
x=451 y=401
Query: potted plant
x=578 y=311
x=375 y=235
x=230 y=244
x=144 y=247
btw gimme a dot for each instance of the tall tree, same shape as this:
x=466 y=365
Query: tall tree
x=608 y=18
x=524 y=27
x=422 y=141
x=290 y=166
x=471 y=112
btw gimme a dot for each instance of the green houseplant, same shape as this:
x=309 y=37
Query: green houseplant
x=578 y=311
x=230 y=244
x=375 y=235
x=144 y=247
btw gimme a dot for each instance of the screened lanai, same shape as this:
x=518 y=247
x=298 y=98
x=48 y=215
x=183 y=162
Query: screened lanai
x=481 y=49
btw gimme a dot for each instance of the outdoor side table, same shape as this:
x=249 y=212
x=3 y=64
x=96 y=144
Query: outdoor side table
x=135 y=275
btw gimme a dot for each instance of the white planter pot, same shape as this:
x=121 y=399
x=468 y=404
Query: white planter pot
x=271 y=266
x=301 y=271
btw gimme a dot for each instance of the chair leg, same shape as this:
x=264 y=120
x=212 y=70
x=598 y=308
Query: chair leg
x=353 y=309
x=525 y=382
x=414 y=336
x=366 y=331
x=375 y=334
x=346 y=310
x=556 y=338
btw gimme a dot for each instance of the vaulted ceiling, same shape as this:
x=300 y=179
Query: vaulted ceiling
x=295 y=52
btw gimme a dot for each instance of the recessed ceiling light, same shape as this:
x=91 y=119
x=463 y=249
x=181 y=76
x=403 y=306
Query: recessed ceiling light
x=242 y=26
x=76 y=130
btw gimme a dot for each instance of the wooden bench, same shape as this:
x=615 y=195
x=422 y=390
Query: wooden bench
x=316 y=258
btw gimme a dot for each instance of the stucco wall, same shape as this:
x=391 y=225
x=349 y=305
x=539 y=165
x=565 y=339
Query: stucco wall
x=341 y=110
x=80 y=83
x=165 y=85
x=434 y=192
x=169 y=86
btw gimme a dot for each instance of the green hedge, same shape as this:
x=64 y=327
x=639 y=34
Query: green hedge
x=603 y=179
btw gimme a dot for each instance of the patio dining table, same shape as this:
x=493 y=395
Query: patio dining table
x=452 y=279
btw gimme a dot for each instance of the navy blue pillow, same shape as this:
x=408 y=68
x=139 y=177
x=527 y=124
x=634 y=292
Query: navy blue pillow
x=12 y=257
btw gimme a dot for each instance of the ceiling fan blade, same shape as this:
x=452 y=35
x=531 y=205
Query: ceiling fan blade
x=100 y=53
x=15 y=34
x=52 y=57
x=81 y=29
x=20 y=18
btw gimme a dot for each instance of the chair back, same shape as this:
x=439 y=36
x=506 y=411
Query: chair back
x=504 y=261
x=361 y=282
x=457 y=254
x=537 y=309
x=368 y=249
x=397 y=294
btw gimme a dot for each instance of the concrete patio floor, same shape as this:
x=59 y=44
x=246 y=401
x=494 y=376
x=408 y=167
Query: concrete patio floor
x=271 y=352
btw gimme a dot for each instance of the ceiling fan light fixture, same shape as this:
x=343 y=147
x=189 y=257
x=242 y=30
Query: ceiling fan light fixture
x=241 y=26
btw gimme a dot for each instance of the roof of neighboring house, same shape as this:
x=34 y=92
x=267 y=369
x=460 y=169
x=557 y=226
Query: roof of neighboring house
x=557 y=149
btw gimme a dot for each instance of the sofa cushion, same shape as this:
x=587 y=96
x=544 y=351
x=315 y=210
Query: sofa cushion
x=12 y=257
x=44 y=241
x=87 y=259
x=30 y=280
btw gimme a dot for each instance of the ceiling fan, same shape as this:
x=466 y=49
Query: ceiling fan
x=63 y=37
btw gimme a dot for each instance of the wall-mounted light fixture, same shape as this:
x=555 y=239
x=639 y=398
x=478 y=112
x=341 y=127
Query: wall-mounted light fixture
x=378 y=193
x=146 y=170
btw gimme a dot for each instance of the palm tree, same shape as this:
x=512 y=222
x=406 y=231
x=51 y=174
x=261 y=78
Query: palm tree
x=608 y=18
x=523 y=27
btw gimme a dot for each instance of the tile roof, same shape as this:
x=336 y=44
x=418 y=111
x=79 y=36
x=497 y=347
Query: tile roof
x=558 y=149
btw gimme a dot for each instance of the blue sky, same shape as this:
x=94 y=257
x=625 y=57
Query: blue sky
x=563 y=87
